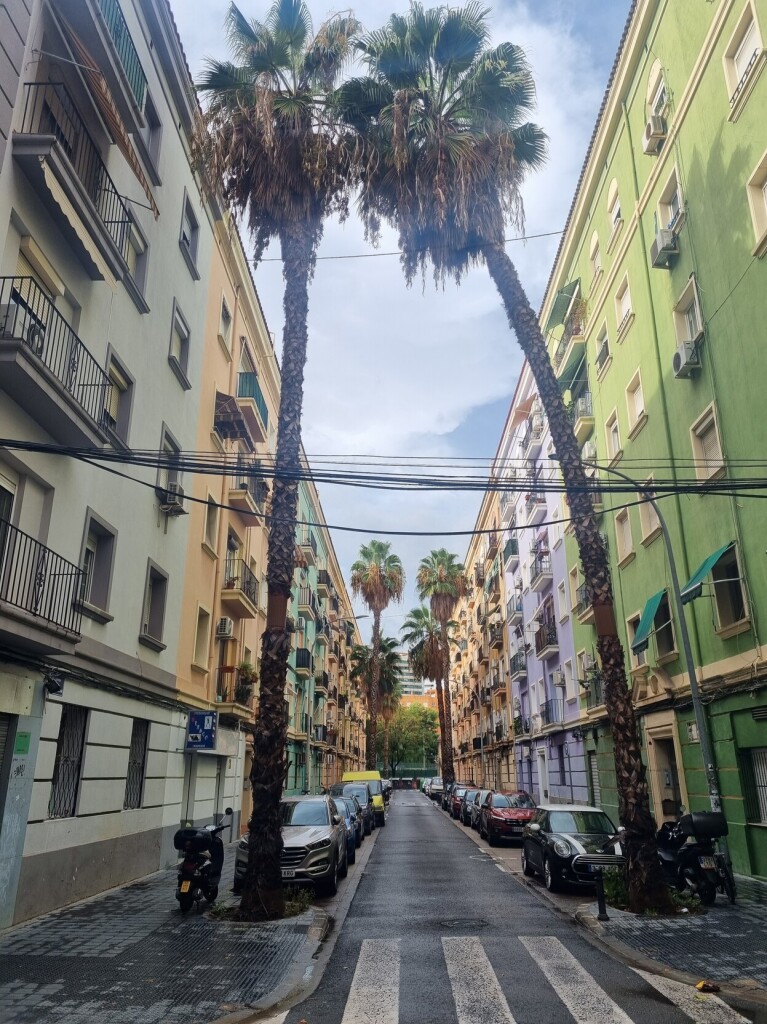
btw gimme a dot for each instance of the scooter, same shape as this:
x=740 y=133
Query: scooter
x=690 y=859
x=200 y=871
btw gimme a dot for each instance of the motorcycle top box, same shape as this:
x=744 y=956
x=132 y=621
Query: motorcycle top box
x=192 y=840
x=703 y=824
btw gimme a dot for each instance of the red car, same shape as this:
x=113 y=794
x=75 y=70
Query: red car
x=504 y=815
x=456 y=798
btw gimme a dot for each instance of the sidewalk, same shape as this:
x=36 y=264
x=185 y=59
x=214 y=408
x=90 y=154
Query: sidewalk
x=129 y=957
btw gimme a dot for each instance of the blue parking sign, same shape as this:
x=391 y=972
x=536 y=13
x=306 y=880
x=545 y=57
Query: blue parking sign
x=201 y=730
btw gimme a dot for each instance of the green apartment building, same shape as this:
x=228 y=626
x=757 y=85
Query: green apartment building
x=656 y=312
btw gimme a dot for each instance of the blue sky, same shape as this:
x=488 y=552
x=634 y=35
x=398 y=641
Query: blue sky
x=401 y=372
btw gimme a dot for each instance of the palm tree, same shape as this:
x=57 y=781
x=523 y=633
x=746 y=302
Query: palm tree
x=378 y=578
x=389 y=681
x=268 y=142
x=441 y=580
x=442 y=115
x=422 y=634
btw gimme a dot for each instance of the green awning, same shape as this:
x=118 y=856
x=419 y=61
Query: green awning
x=562 y=301
x=694 y=585
x=641 y=639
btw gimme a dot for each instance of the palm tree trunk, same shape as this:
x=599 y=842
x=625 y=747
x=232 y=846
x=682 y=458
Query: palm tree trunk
x=448 y=768
x=646 y=886
x=375 y=679
x=386 y=743
x=441 y=716
x=262 y=895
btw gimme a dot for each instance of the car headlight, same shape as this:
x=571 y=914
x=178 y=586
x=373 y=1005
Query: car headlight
x=243 y=843
x=321 y=844
x=562 y=848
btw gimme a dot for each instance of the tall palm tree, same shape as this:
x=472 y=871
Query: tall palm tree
x=422 y=635
x=441 y=580
x=378 y=578
x=447 y=147
x=389 y=681
x=269 y=143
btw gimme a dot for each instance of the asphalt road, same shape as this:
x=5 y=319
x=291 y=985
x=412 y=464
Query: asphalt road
x=437 y=934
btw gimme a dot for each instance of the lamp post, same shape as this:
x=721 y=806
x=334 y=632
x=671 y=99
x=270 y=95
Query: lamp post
x=701 y=721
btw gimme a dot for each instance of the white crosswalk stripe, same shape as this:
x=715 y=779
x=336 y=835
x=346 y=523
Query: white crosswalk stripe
x=702 y=1007
x=369 y=1001
x=471 y=972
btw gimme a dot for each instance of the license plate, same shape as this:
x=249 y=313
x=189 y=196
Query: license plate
x=185 y=886
x=288 y=873
x=707 y=862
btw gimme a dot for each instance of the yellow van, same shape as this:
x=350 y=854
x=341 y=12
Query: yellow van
x=373 y=780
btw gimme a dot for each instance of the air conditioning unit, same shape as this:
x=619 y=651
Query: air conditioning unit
x=664 y=249
x=559 y=679
x=654 y=135
x=589 y=451
x=224 y=628
x=686 y=359
x=172 y=500
x=16 y=322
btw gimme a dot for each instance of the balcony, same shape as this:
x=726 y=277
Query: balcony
x=333 y=693
x=322 y=632
x=234 y=699
x=251 y=401
x=492 y=546
x=535 y=507
x=324 y=584
x=546 y=641
x=320 y=734
x=476 y=743
x=570 y=350
x=464 y=747
x=485 y=694
x=479 y=574
x=540 y=572
x=308 y=544
x=305 y=664
x=496 y=637
x=582 y=415
x=64 y=165
x=334 y=651
x=514 y=611
x=518 y=666
x=498 y=733
x=47 y=370
x=603 y=358
x=532 y=439
x=593 y=684
x=511 y=554
x=39 y=591
x=307 y=603
x=521 y=725
x=483 y=654
x=240 y=592
x=497 y=684
x=552 y=712
x=583 y=608
x=247 y=491
x=508 y=504
x=321 y=684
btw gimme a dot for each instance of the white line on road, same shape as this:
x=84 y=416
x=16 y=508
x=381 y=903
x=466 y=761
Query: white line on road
x=477 y=993
x=279 y=1019
x=701 y=1007
x=370 y=1001
x=586 y=1001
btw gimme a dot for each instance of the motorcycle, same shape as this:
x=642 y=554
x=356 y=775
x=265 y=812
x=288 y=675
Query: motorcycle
x=689 y=857
x=200 y=872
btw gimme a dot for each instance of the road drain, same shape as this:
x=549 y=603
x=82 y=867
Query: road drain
x=464 y=922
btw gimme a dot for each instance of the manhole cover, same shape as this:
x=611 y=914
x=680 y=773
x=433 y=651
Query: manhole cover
x=464 y=922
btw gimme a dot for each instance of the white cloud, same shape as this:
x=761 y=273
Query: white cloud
x=394 y=371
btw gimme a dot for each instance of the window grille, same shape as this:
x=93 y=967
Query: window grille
x=134 y=782
x=69 y=761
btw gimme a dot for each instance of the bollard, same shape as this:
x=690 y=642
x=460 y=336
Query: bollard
x=602 y=907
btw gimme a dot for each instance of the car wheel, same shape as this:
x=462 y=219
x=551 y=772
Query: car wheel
x=527 y=868
x=353 y=855
x=550 y=877
x=185 y=902
x=357 y=839
x=491 y=837
x=329 y=886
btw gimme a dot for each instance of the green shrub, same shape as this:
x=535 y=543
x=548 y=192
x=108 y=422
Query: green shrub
x=616 y=888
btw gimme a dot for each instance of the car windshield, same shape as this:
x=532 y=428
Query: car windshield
x=480 y=797
x=304 y=812
x=580 y=821
x=436 y=782
x=459 y=791
x=469 y=794
x=341 y=808
x=514 y=800
x=375 y=787
x=360 y=792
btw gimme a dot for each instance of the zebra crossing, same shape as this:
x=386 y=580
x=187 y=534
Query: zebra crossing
x=478 y=997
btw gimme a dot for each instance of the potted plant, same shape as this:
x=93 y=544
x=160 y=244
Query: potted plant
x=246 y=676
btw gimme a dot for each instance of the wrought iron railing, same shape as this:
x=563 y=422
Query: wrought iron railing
x=232 y=688
x=541 y=566
x=582 y=602
x=239 y=576
x=307 y=599
x=521 y=725
x=27 y=314
x=518 y=663
x=513 y=607
x=594 y=692
x=582 y=407
x=38 y=581
x=552 y=711
x=248 y=387
x=305 y=659
x=534 y=432
x=308 y=540
x=126 y=49
x=50 y=110
x=534 y=500
x=545 y=636
x=321 y=681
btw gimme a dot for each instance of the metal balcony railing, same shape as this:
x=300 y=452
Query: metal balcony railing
x=38 y=581
x=582 y=602
x=582 y=407
x=541 y=566
x=545 y=636
x=50 y=110
x=476 y=743
x=533 y=432
x=126 y=49
x=321 y=681
x=304 y=658
x=521 y=725
x=594 y=693
x=320 y=734
x=518 y=663
x=534 y=500
x=248 y=387
x=552 y=711
x=492 y=545
x=513 y=607
x=510 y=549
x=308 y=540
x=323 y=579
x=230 y=689
x=307 y=599
x=239 y=576
x=27 y=314
x=603 y=354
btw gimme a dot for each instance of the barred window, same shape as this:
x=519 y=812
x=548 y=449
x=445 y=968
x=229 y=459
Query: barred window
x=69 y=761
x=134 y=782
x=754 y=774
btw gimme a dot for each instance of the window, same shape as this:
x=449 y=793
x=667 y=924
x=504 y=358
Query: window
x=637 y=660
x=614 y=213
x=153 y=609
x=728 y=591
x=134 y=780
x=563 y=607
x=595 y=257
x=755 y=783
x=556 y=527
x=635 y=405
x=648 y=517
x=603 y=357
x=136 y=256
x=189 y=237
x=623 y=312
x=178 y=356
x=757 y=201
x=659 y=101
x=210 y=540
x=97 y=562
x=623 y=537
x=117 y=401
x=169 y=473
x=612 y=433
x=573 y=582
x=665 y=643
x=706 y=446
x=69 y=761
x=149 y=138
x=743 y=59
x=571 y=689
x=670 y=204
x=225 y=326
x=202 y=639
x=688 y=321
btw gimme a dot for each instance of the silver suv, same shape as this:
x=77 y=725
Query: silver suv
x=314 y=845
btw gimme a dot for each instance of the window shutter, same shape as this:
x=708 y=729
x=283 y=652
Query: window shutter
x=746 y=51
x=709 y=447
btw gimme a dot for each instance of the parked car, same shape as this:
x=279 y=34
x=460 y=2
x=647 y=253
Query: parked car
x=375 y=784
x=479 y=798
x=426 y=787
x=504 y=815
x=556 y=834
x=361 y=791
x=466 y=801
x=436 y=789
x=314 y=845
x=344 y=808
x=456 y=796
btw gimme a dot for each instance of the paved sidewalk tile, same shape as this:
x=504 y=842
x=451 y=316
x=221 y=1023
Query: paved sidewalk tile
x=728 y=943
x=129 y=957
